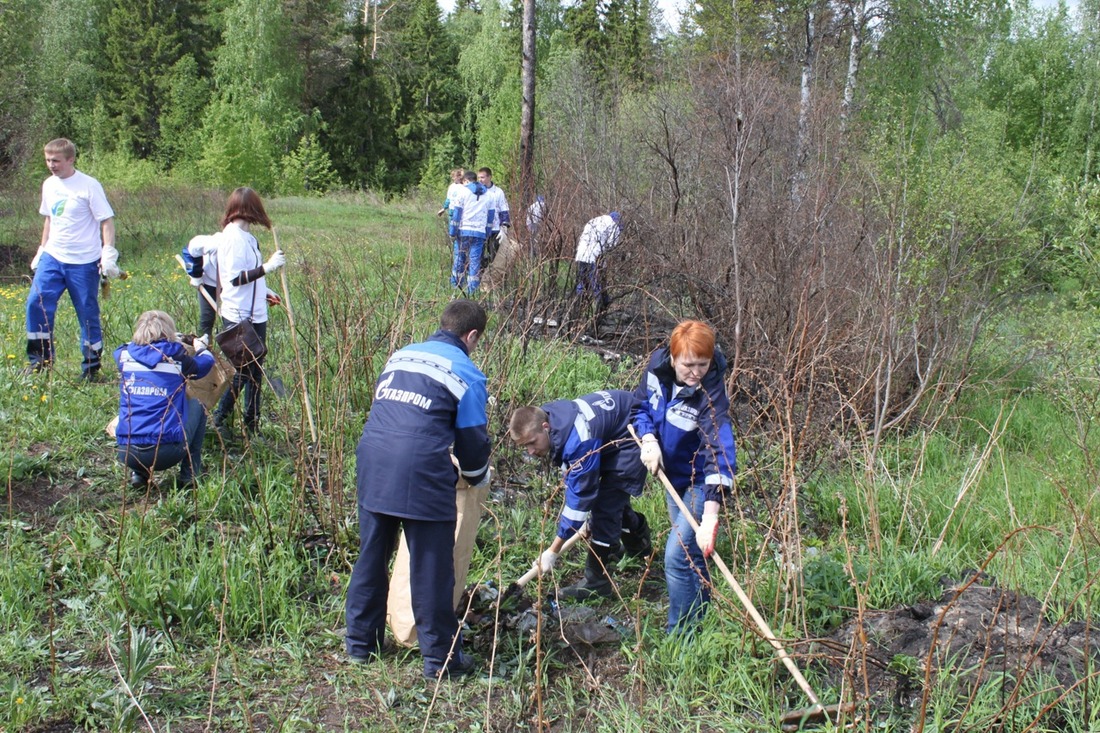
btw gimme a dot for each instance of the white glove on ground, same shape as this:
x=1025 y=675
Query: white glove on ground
x=651 y=453
x=707 y=534
x=201 y=344
x=108 y=262
x=277 y=260
x=35 y=259
x=547 y=560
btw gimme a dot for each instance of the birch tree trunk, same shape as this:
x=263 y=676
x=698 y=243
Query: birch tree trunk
x=798 y=177
x=858 y=13
x=527 y=112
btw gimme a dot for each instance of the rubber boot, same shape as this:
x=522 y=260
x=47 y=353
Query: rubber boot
x=597 y=581
x=638 y=542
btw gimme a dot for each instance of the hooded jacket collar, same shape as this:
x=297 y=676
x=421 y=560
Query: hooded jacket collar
x=149 y=355
x=449 y=338
x=661 y=366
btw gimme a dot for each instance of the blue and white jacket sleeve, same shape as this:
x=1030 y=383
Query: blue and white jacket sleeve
x=456 y=219
x=640 y=416
x=581 y=464
x=716 y=436
x=472 y=445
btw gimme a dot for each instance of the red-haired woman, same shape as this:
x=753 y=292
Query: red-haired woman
x=244 y=293
x=682 y=415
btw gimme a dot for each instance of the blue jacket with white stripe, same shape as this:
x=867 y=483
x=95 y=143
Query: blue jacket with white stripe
x=692 y=425
x=429 y=396
x=152 y=408
x=589 y=438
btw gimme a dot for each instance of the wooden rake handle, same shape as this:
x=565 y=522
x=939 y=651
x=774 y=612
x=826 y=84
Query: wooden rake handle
x=761 y=624
x=534 y=571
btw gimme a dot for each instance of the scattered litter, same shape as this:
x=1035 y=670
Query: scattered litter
x=552 y=323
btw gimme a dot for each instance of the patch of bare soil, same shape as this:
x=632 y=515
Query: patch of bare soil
x=975 y=632
x=40 y=497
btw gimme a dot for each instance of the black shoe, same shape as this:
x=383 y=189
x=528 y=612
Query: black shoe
x=138 y=481
x=586 y=590
x=461 y=666
x=93 y=376
x=35 y=367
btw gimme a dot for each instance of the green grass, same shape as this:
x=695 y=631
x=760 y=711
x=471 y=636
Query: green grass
x=225 y=604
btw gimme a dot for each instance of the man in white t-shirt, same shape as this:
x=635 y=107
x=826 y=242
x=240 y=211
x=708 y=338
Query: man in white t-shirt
x=78 y=245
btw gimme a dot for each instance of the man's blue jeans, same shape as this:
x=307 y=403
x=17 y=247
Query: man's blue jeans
x=51 y=279
x=466 y=267
x=686 y=573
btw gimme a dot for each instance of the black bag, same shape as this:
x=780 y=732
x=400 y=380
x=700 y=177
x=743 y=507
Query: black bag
x=241 y=344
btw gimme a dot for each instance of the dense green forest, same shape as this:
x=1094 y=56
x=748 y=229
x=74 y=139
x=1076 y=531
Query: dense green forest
x=293 y=95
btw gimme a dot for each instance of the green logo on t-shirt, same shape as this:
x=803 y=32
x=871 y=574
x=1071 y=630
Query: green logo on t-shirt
x=59 y=207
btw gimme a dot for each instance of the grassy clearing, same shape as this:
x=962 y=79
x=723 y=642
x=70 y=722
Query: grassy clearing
x=221 y=608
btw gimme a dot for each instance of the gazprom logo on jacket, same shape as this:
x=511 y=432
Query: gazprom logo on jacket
x=606 y=402
x=684 y=417
x=383 y=392
x=130 y=386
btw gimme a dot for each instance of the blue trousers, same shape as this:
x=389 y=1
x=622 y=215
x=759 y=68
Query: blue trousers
x=432 y=576
x=590 y=280
x=466 y=266
x=611 y=513
x=144 y=459
x=51 y=279
x=686 y=573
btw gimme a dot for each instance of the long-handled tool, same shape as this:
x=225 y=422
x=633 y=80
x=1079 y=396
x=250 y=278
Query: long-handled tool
x=514 y=589
x=816 y=710
x=297 y=351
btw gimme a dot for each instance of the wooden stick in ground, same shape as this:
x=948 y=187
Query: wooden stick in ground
x=297 y=351
x=761 y=624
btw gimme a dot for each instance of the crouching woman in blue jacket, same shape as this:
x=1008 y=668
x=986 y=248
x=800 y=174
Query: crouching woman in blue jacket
x=158 y=425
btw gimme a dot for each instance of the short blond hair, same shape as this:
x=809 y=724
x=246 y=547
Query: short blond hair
x=525 y=421
x=154 y=326
x=62 y=146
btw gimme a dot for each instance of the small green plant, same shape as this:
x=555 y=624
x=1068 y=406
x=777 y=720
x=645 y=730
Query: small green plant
x=20 y=705
x=134 y=653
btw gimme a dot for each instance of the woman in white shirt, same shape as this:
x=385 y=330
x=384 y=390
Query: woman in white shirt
x=244 y=294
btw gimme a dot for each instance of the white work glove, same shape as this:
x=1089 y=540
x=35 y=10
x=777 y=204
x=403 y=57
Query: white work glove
x=484 y=483
x=651 y=453
x=277 y=260
x=35 y=259
x=201 y=344
x=546 y=562
x=108 y=262
x=707 y=534
x=196 y=282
